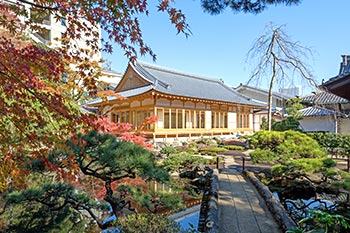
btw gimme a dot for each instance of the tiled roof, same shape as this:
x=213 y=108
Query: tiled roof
x=257 y=89
x=316 y=111
x=127 y=93
x=343 y=71
x=323 y=98
x=182 y=84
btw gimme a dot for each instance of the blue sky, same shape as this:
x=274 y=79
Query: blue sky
x=219 y=44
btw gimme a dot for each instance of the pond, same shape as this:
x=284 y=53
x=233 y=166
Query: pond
x=189 y=221
x=299 y=208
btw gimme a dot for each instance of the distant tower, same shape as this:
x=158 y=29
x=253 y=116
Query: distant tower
x=291 y=91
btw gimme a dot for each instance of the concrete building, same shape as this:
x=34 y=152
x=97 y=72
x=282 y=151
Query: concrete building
x=50 y=29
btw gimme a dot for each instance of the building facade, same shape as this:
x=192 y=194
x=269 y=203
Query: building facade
x=50 y=30
x=261 y=96
x=185 y=105
x=340 y=84
x=325 y=112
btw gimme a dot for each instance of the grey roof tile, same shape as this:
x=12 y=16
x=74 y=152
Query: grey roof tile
x=316 y=111
x=181 y=84
x=323 y=98
x=261 y=90
x=126 y=93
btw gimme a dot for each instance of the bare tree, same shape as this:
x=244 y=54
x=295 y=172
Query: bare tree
x=281 y=57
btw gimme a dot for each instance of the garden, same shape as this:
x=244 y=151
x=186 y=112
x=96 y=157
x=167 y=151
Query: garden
x=308 y=174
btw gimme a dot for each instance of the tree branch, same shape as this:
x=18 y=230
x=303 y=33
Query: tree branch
x=39 y=6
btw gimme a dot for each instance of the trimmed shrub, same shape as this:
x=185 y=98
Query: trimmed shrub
x=287 y=124
x=168 y=150
x=284 y=146
x=183 y=161
x=147 y=223
x=279 y=170
x=212 y=150
x=262 y=155
x=266 y=140
x=306 y=165
x=299 y=145
x=328 y=162
x=233 y=147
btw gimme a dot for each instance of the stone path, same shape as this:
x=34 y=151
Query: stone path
x=241 y=209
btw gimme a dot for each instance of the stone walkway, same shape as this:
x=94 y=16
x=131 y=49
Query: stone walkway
x=241 y=209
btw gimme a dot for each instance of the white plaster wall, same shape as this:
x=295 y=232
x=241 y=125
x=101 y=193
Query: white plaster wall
x=251 y=121
x=160 y=123
x=324 y=124
x=207 y=120
x=257 y=123
x=232 y=120
x=344 y=125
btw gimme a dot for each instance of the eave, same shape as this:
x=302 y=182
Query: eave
x=198 y=100
x=339 y=86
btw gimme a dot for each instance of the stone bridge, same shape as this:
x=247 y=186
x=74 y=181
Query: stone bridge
x=242 y=205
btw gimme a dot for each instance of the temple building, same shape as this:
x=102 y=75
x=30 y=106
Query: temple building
x=340 y=84
x=186 y=105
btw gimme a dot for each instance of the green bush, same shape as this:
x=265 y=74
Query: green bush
x=168 y=150
x=206 y=141
x=326 y=140
x=288 y=124
x=306 y=165
x=328 y=162
x=233 y=147
x=299 y=145
x=279 y=170
x=183 y=160
x=321 y=221
x=171 y=200
x=192 y=150
x=285 y=145
x=212 y=150
x=266 y=140
x=262 y=155
x=333 y=142
x=147 y=223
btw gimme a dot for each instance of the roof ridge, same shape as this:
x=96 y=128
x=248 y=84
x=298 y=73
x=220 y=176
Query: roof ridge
x=326 y=97
x=155 y=81
x=274 y=93
x=174 y=71
x=240 y=94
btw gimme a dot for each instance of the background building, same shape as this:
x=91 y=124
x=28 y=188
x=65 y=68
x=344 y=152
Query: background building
x=261 y=96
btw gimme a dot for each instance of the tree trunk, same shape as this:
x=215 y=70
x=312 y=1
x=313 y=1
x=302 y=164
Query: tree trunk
x=272 y=81
x=269 y=114
x=114 y=202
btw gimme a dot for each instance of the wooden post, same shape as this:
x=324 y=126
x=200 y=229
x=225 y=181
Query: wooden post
x=243 y=163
